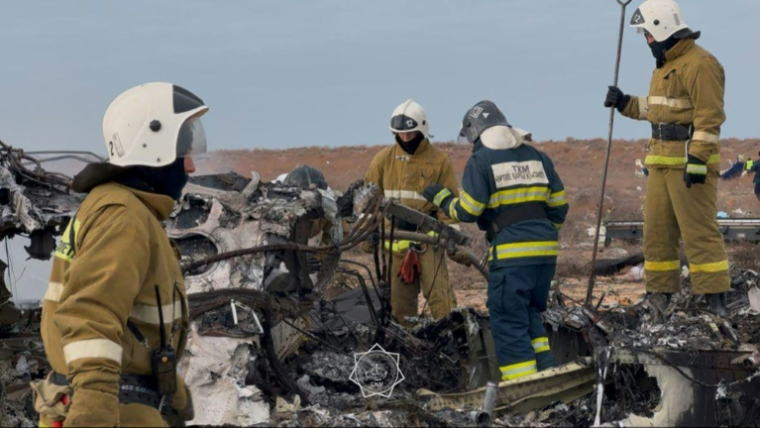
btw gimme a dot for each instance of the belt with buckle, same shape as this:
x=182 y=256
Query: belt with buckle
x=133 y=388
x=671 y=132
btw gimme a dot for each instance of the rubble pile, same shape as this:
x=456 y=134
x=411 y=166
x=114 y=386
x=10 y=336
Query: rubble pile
x=630 y=393
x=681 y=323
x=22 y=359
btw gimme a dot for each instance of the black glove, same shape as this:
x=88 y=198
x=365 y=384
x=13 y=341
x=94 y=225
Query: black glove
x=695 y=171
x=616 y=98
x=437 y=194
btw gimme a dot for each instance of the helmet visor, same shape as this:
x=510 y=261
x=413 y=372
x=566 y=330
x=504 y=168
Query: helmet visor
x=403 y=123
x=191 y=139
x=461 y=138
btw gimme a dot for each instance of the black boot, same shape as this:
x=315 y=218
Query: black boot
x=716 y=303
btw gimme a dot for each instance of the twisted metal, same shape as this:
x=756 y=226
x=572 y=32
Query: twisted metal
x=14 y=160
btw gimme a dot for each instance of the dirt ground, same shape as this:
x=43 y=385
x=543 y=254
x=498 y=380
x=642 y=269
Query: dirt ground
x=580 y=164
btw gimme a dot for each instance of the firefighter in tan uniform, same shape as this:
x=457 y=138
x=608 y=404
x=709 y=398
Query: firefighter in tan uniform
x=685 y=108
x=402 y=172
x=101 y=320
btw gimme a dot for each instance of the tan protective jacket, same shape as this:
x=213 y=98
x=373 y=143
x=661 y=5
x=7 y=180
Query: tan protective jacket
x=104 y=273
x=403 y=176
x=687 y=90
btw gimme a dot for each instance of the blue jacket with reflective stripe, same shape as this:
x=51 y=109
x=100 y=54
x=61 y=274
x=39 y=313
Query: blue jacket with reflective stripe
x=497 y=179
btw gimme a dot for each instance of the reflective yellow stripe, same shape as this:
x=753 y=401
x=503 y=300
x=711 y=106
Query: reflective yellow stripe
x=471 y=205
x=398 y=246
x=92 y=348
x=557 y=225
x=540 y=344
x=643 y=107
x=453 y=209
x=708 y=267
x=516 y=196
x=705 y=136
x=54 y=291
x=557 y=199
x=696 y=169
x=149 y=313
x=675 y=160
x=670 y=102
x=65 y=249
x=662 y=266
x=443 y=194
x=527 y=249
x=514 y=371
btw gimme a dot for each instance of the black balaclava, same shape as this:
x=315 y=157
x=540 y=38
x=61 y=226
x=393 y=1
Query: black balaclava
x=413 y=145
x=477 y=146
x=166 y=180
x=659 y=49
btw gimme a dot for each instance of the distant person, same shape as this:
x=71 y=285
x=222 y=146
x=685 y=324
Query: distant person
x=403 y=171
x=112 y=365
x=685 y=108
x=309 y=177
x=752 y=166
x=513 y=192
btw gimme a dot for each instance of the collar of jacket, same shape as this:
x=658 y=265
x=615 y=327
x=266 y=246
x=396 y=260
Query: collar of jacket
x=160 y=205
x=424 y=144
x=679 y=49
x=501 y=137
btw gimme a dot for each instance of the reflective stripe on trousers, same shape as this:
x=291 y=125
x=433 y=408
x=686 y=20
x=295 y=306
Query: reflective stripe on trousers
x=540 y=344
x=524 y=249
x=514 y=371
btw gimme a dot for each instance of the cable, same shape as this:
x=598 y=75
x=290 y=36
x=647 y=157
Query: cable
x=432 y=283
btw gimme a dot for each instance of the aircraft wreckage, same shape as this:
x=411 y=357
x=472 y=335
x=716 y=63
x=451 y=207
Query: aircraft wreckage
x=272 y=343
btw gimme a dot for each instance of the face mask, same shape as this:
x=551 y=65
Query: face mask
x=659 y=49
x=167 y=180
x=411 y=146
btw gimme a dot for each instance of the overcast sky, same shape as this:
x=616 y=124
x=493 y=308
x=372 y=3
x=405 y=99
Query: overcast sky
x=326 y=72
x=280 y=74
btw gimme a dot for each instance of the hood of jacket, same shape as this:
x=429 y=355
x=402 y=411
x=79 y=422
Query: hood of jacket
x=503 y=137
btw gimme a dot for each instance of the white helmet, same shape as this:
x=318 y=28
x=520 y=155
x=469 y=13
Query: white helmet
x=409 y=117
x=153 y=125
x=661 y=19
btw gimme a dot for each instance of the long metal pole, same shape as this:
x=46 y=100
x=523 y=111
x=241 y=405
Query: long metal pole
x=623 y=4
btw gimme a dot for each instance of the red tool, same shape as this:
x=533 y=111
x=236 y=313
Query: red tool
x=65 y=401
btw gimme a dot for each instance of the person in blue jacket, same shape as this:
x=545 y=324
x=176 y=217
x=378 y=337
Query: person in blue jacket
x=515 y=195
x=753 y=166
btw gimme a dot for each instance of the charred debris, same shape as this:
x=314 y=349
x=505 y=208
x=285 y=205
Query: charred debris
x=275 y=342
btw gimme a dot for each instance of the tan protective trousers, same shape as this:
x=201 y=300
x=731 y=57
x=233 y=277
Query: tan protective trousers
x=130 y=415
x=435 y=287
x=673 y=211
